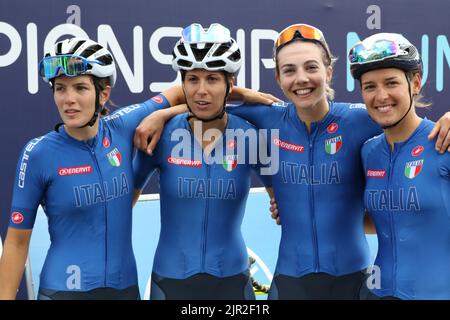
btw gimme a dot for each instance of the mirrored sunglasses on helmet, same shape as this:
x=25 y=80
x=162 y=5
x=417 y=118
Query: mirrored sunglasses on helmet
x=216 y=33
x=70 y=65
x=375 y=51
x=301 y=31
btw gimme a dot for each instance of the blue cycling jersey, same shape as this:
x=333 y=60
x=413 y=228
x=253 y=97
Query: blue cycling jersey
x=202 y=201
x=85 y=189
x=319 y=187
x=408 y=197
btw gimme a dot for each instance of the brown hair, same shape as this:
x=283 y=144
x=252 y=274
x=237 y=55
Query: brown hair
x=419 y=100
x=101 y=84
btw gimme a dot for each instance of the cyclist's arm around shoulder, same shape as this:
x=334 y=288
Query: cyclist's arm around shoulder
x=144 y=166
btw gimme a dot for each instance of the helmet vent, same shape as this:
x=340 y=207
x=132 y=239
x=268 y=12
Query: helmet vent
x=77 y=45
x=182 y=50
x=412 y=52
x=221 y=50
x=215 y=64
x=58 y=47
x=199 y=54
x=91 y=50
x=236 y=56
x=106 y=59
x=184 y=63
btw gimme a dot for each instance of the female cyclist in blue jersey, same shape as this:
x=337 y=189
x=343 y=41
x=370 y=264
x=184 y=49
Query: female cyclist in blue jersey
x=407 y=189
x=319 y=186
x=81 y=174
x=201 y=253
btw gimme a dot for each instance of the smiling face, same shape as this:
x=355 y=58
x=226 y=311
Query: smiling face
x=386 y=94
x=205 y=92
x=302 y=75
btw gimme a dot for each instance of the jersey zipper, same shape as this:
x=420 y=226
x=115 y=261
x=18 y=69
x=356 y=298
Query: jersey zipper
x=205 y=218
x=392 y=156
x=94 y=157
x=311 y=202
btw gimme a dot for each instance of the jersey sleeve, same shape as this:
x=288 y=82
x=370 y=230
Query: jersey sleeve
x=444 y=165
x=128 y=118
x=29 y=186
x=364 y=156
x=364 y=125
x=259 y=115
x=265 y=164
x=444 y=171
x=143 y=168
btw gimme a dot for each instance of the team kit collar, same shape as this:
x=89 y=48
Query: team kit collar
x=93 y=142
x=399 y=145
x=319 y=125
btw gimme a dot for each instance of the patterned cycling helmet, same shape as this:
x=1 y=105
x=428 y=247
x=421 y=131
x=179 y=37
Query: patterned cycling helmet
x=384 y=50
x=91 y=59
x=211 y=49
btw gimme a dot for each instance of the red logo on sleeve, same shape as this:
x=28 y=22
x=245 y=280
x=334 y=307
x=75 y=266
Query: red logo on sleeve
x=106 y=142
x=332 y=128
x=16 y=217
x=417 y=151
x=157 y=99
x=231 y=144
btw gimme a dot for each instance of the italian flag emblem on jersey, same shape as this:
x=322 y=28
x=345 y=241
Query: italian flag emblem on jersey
x=230 y=162
x=333 y=145
x=413 y=168
x=114 y=158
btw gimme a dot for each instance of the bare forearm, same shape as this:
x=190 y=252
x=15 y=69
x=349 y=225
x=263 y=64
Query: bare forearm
x=175 y=95
x=12 y=265
x=172 y=112
x=369 y=226
x=136 y=194
x=270 y=192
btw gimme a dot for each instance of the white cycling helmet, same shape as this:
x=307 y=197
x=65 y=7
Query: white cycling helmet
x=98 y=61
x=384 y=50
x=211 y=49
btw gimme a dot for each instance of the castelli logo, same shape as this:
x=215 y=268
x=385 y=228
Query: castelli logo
x=158 y=99
x=417 y=151
x=16 y=217
x=231 y=144
x=332 y=128
x=106 y=142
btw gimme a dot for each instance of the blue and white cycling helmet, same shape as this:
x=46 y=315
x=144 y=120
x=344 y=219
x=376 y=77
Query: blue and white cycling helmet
x=211 y=49
x=384 y=50
x=78 y=56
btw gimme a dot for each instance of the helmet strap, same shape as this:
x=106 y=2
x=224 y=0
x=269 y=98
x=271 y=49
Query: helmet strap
x=410 y=106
